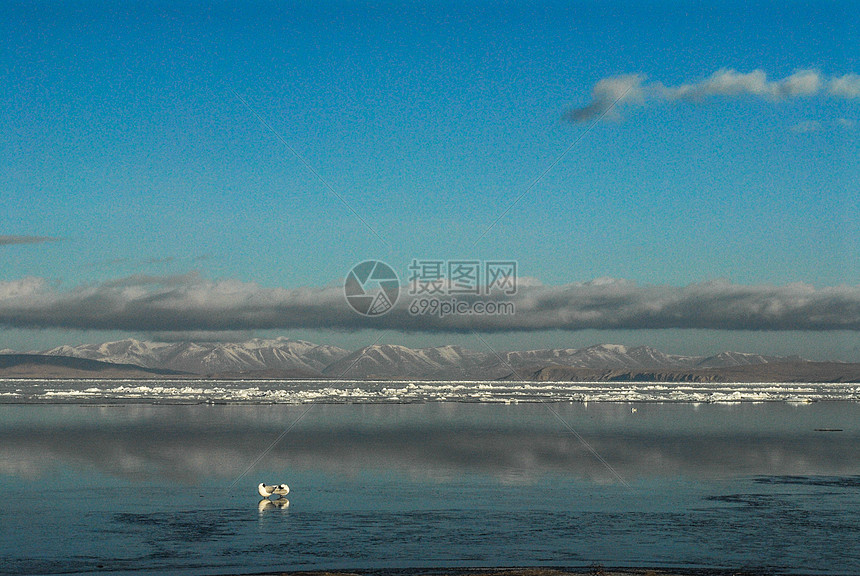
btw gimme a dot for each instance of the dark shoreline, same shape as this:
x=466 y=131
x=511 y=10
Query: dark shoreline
x=590 y=570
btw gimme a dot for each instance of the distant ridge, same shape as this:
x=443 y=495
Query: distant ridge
x=282 y=358
x=790 y=372
x=42 y=366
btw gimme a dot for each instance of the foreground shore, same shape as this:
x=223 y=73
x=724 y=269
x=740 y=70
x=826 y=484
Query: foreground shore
x=593 y=570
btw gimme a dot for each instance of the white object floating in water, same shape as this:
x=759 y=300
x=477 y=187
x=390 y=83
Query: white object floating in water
x=267 y=490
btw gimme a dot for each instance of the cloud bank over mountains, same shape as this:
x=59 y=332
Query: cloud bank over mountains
x=192 y=302
x=613 y=93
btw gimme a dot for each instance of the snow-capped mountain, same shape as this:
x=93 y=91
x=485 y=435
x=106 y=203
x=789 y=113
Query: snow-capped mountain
x=454 y=362
x=300 y=358
x=603 y=356
x=391 y=361
x=726 y=359
x=211 y=357
x=128 y=351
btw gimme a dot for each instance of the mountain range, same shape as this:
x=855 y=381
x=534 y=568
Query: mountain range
x=279 y=354
x=283 y=358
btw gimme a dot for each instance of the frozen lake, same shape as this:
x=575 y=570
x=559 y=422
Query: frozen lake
x=125 y=488
x=370 y=391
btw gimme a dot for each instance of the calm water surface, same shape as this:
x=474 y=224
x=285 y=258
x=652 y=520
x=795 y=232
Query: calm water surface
x=172 y=489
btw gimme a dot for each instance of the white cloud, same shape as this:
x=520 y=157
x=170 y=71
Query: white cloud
x=801 y=83
x=607 y=94
x=807 y=127
x=724 y=83
x=720 y=83
x=192 y=303
x=847 y=86
x=813 y=126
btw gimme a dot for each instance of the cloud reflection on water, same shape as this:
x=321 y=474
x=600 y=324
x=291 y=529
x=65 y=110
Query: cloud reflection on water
x=518 y=444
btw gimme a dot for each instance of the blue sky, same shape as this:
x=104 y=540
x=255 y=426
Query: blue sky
x=125 y=137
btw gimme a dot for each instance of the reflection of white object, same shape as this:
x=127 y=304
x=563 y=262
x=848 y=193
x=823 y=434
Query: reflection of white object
x=266 y=504
x=279 y=489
